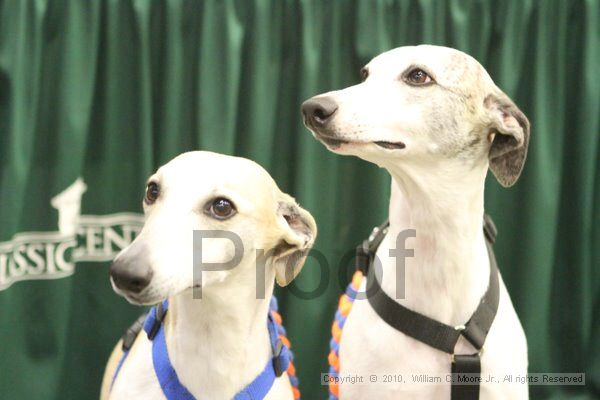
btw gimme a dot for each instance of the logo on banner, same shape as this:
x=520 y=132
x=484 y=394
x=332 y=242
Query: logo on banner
x=53 y=255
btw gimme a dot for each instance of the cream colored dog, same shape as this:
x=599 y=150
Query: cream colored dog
x=219 y=343
x=436 y=121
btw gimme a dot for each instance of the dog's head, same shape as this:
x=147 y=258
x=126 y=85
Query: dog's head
x=237 y=208
x=423 y=104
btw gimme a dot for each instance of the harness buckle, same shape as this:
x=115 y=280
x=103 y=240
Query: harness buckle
x=365 y=252
x=373 y=234
x=461 y=329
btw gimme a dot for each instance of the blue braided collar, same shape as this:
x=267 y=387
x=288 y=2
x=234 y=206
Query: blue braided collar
x=167 y=376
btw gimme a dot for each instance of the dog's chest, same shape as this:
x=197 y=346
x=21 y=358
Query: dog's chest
x=371 y=348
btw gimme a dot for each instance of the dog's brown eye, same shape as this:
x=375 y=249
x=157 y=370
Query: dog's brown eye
x=221 y=208
x=418 y=77
x=152 y=192
x=364 y=74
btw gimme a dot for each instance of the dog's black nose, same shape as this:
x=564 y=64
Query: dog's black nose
x=130 y=276
x=318 y=111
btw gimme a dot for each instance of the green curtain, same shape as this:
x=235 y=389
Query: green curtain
x=109 y=90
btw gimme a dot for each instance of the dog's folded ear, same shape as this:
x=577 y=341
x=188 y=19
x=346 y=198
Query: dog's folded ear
x=298 y=233
x=509 y=132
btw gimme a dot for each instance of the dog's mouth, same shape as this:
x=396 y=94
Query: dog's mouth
x=334 y=143
x=144 y=298
x=331 y=142
x=390 y=145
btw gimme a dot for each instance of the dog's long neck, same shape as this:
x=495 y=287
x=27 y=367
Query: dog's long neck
x=220 y=343
x=449 y=271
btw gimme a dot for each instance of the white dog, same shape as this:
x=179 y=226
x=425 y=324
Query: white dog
x=435 y=120
x=218 y=344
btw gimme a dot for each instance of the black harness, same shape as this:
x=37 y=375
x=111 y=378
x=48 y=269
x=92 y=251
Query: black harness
x=429 y=331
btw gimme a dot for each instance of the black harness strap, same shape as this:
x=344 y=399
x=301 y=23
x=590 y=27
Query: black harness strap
x=429 y=331
x=132 y=332
x=465 y=364
x=161 y=312
x=367 y=249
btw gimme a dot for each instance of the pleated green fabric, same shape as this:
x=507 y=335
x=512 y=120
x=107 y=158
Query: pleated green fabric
x=109 y=90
